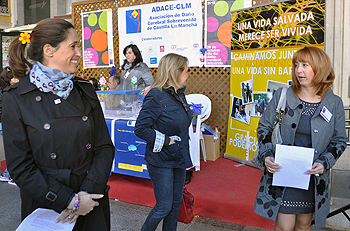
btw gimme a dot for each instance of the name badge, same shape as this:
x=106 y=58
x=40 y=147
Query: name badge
x=126 y=74
x=57 y=101
x=326 y=114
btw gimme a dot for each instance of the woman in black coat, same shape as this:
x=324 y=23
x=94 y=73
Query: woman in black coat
x=163 y=122
x=6 y=79
x=57 y=145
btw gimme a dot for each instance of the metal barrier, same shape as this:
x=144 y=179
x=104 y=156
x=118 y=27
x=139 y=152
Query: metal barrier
x=347 y=123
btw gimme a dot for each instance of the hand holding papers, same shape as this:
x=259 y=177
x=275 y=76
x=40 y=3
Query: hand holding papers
x=44 y=219
x=271 y=165
x=317 y=169
x=295 y=161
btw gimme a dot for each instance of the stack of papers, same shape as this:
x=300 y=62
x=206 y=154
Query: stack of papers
x=44 y=219
x=295 y=161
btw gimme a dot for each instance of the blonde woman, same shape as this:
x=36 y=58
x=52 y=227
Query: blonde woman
x=163 y=122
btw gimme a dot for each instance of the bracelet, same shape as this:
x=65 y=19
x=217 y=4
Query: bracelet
x=76 y=204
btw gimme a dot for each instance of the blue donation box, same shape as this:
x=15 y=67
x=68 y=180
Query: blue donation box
x=129 y=149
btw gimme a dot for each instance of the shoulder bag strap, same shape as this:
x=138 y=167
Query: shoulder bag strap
x=282 y=101
x=280 y=107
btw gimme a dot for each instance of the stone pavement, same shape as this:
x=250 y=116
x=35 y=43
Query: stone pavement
x=124 y=216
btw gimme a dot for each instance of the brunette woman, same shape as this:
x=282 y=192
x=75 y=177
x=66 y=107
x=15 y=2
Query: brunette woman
x=57 y=144
x=135 y=73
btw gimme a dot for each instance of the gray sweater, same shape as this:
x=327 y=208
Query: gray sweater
x=141 y=76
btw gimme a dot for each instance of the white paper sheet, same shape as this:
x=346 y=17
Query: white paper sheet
x=44 y=219
x=295 y=161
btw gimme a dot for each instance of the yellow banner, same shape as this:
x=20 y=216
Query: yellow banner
x=255 y=75
x=263 y=42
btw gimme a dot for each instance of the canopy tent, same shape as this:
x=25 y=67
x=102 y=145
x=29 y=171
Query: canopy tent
x=28 y=28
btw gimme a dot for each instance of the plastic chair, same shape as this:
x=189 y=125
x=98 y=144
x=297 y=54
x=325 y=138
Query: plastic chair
x=196 y=138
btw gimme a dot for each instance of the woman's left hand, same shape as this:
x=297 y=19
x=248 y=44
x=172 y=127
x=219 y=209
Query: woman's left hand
x=67 y=216
x=317 y=168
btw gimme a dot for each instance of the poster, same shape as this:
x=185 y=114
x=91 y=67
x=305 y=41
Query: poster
x=161 y=28
x=264 y=40
x=218 y=30
x=97 y=31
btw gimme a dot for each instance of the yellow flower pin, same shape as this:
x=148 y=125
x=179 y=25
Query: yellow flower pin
x=25 y=38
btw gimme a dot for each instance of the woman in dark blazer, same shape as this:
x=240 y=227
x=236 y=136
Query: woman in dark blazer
x=163 y=122
x=57 y=145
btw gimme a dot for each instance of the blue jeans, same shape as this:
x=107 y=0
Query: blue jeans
x=168 y=185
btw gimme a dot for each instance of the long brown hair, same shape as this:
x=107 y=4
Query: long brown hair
x=17 y=61
x=321 y=66
x=137 y=54
x=51 y=31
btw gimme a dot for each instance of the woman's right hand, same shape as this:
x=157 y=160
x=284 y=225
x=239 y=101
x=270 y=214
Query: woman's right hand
x=271 y=166
x=87 y=203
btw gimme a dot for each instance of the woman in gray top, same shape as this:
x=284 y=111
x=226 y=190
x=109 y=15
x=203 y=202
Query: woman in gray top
x=314 y=118
x=135 y=73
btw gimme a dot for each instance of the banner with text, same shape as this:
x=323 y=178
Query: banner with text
x=264 y=40
x=97 y=31
x=161 y=28
x=217 y=39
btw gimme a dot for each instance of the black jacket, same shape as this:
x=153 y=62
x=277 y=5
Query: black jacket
x=0 y=104
x=168 y=113
x=55 y=147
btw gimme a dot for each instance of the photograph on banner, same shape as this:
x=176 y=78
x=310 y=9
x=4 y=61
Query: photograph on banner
x=161 y=28
x=261 y=100
x=272 y=86
x=239 y=111
x=247 y=91
x=264 y=40
x=217 y=37
x=97 y=32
